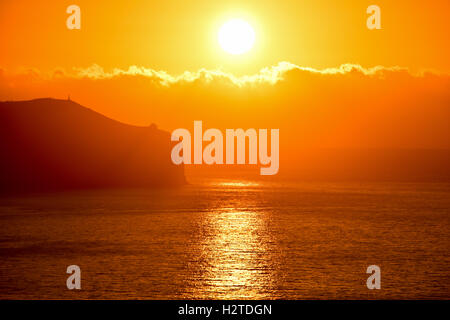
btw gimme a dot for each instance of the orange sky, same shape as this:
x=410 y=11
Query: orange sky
x=181 y=35
x=313 y=100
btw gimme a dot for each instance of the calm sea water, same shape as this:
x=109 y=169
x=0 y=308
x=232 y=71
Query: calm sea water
x=227 y=239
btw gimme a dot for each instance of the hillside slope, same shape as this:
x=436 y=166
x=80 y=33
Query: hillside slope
x=49 y=144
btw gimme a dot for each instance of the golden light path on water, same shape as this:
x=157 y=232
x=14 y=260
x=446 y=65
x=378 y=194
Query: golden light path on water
x=238 y=184
x=236 y=251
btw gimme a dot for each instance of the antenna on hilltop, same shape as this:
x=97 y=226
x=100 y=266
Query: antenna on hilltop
x=68 y=98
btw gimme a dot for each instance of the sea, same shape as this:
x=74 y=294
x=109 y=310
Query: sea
x=228 y=238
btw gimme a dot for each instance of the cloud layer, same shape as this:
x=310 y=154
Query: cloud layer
x=268 y=75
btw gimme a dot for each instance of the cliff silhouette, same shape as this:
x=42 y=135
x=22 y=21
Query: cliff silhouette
x=50 y=144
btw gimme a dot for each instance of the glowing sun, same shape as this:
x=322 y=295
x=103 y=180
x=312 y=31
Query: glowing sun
x=236 y=36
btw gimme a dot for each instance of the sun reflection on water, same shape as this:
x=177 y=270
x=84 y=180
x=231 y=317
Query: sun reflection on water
x=239 y=184
x=235 y=255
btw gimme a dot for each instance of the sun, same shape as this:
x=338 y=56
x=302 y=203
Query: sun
x=236 y=36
